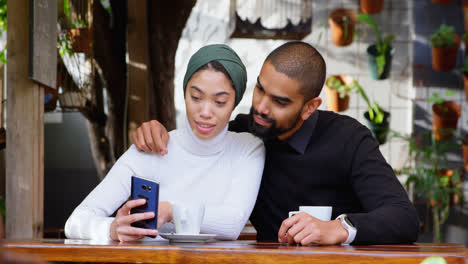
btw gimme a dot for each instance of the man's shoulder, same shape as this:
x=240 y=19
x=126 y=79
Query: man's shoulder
x=331 y=120
x=240 y=123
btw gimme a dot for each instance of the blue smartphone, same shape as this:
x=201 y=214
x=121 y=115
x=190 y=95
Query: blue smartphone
x=148 y=190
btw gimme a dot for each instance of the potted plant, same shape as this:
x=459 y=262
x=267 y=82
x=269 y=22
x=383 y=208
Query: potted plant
x=371 y=6
x=338 y=88
x=342 y=22
x=78 y=33
x=377 y=119
x=381 y=53
x=427 y=173
x=445 y=45
x=445 y=116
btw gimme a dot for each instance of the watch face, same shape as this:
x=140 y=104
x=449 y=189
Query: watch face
x=347 y=221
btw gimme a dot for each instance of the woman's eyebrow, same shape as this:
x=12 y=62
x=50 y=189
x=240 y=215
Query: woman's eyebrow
x=197 y=89
x=221 y=93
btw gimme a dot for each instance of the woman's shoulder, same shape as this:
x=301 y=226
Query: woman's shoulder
x=244 y=141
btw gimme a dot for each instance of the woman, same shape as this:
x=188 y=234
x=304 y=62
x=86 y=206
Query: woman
x=205 y=162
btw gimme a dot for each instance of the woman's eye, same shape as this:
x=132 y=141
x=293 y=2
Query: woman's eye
x=195 y=98
x=220 y=103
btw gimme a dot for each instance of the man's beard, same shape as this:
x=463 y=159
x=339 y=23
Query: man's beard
x=267 y=133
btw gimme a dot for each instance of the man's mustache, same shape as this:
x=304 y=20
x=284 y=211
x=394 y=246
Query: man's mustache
x=269 y=119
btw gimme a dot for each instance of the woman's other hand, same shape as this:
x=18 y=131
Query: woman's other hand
x=164 y=213
x=121 y=229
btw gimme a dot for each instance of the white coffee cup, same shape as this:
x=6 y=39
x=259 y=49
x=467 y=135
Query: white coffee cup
x=188 y=217
x=321 y=212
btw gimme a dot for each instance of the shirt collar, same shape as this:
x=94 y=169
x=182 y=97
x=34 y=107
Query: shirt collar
x=300 y=139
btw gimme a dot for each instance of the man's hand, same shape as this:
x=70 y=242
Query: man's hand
x=121 y=229
x=151 y=136
x=305 y=230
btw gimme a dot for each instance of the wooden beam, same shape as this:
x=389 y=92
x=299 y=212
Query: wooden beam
x=137 y=39
x=25 y=132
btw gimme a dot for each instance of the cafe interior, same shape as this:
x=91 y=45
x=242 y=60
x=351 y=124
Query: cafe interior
x=78 y=77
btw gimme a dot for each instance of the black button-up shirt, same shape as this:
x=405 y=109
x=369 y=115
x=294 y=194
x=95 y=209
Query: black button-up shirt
x=332 y=160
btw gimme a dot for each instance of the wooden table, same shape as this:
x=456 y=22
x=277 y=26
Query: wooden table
x=231 y=252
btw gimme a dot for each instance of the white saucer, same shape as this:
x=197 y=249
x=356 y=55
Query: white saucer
x=187 y=237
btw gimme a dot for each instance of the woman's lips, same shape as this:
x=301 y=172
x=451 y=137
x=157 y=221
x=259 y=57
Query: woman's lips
x=261 y=121
x=204 y=127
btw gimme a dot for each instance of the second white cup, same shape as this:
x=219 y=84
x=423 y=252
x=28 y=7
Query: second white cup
x=187 y=217
x=321 y=212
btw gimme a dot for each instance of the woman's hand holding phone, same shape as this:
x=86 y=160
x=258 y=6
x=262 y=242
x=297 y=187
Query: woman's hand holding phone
x=121 y=229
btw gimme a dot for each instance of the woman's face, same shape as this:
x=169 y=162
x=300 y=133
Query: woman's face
x=209 y=101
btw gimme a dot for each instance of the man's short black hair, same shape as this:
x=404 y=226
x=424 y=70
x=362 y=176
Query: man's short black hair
x=302 y=62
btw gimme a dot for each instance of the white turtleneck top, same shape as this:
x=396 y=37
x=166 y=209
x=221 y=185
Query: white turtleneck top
x=224 y=173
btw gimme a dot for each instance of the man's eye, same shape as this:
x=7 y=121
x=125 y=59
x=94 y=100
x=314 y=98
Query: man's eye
x=195 y=98
x=280 y=102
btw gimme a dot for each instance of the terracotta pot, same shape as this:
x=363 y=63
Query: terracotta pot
x=465 y=153
x=442 y=2
x=445 y=119
x=342 y=30
x=334 y=102
x=80 y=39
x=371 y=6
x=445 y=58
x=465 y=84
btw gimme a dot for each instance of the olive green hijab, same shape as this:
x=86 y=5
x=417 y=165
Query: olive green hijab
x=228 y=58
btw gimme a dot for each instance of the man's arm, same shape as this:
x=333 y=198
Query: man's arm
x=152 y=136
x=388 y=216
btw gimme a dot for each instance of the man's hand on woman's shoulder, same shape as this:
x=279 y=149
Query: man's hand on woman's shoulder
x=151 y=136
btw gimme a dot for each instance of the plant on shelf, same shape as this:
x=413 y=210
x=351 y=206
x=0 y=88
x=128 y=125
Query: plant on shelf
x=3 y=28
x=445 y=115
x=342 y=24
x=339 y=87
x=381 y=53
x=445 y=45
x=377 y=118
x=428 y=173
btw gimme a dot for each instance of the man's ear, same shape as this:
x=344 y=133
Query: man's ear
x=310 y=107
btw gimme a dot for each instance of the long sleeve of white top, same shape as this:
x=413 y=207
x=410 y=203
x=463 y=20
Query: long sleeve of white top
x=225 y=217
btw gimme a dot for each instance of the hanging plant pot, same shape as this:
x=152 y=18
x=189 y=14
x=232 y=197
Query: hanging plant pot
x=336 y=103
x=445 y=58
x=371 y=6
x=465 y=84
x=379 y=131
x=342 y=23
x=442 y=2
x=445 y=119
x=80 y=39
x=72 y=100
x=373 y=66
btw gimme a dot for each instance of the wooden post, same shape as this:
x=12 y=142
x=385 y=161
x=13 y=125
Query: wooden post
x=25 y=132
x=137 y=39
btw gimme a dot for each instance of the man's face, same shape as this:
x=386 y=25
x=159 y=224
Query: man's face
x=276 y=105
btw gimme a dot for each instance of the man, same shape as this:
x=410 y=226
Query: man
x=313 y=157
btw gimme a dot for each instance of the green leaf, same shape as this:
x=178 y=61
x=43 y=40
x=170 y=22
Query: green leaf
x=367 y=19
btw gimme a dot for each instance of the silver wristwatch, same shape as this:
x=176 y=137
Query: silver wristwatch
x=346 y=224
